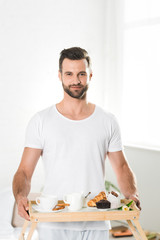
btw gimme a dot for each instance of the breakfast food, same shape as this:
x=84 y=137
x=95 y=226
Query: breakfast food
x=102 y=204
x=114 y=194
x=56 y=208
x=60 y=206
x=100 y=196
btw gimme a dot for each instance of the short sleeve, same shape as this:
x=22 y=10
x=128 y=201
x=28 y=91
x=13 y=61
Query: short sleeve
x=33 y=137
x=115 y=142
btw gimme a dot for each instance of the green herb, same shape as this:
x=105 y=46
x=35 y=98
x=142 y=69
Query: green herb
x=129 y=204
x=120 y=208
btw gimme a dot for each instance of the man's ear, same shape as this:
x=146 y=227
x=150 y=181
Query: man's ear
x=90 y=76
x=59 y=75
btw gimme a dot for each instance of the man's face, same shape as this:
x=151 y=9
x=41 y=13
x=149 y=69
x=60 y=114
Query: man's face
x=75 y=77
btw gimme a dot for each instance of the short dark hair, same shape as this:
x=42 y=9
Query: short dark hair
x=74 y=53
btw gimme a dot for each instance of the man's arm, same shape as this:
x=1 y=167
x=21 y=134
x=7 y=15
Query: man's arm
x=22 y=179
x=125 y=176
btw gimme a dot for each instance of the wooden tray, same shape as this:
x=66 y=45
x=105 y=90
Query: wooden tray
x=85 y=214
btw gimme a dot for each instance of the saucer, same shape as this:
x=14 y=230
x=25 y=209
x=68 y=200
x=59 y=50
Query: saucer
x=38 y=209
x=107 y=209
x=92 y=208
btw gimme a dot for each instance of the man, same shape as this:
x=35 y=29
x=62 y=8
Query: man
x=73 y=137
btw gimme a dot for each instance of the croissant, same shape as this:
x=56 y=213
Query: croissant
x=100 y=196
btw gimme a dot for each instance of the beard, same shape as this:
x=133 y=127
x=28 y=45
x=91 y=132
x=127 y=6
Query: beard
x=77 y=93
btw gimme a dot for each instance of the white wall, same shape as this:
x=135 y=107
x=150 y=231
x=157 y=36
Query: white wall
x=113 y=56
x=32 y=33
x=146 y=165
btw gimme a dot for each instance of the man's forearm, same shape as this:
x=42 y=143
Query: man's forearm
x=127 y=182
x=125 y=176
x=21 y=185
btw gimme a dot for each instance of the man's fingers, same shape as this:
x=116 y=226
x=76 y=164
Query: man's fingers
x=23 y=213
x=23 y=208
x=138 y=205
x=136 y=200
x=27 y=208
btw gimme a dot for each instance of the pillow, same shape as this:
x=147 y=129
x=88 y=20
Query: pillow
x=6 y=209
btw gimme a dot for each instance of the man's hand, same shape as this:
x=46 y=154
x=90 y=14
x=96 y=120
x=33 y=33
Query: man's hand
x=23 y=207
x=22 y=179
x=136 y=200
x=125 y=176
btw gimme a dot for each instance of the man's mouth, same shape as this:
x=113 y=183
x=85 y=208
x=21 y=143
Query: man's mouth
x=76 y=87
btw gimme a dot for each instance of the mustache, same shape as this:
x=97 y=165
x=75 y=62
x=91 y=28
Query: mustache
x=76 y=85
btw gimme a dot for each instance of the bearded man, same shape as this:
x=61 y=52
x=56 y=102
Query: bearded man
x=73 y=137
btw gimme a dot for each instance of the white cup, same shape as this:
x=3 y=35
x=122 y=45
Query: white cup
x=115 y=201
x=47 y=202
x=85 y=201
x=75 y=200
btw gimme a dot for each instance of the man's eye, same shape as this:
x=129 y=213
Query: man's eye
x=82 y=74
x=68 y=74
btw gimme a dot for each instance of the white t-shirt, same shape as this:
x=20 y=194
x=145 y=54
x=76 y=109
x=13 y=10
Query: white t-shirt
x=74 y=154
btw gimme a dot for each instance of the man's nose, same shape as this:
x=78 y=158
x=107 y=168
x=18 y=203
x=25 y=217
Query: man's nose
x=76 y=80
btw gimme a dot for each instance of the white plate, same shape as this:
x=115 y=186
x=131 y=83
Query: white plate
x=38 y=209
x=94 y=208
x=99 y=209
x=104 y=209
